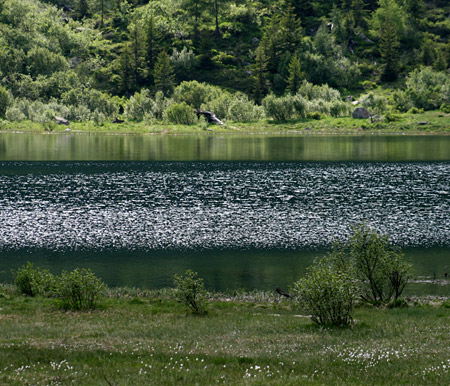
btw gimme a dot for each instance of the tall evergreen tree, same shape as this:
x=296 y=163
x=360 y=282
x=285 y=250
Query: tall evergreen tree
x=164 y=74
x=260 y=78
x=126 y=69
x=295 y=75
x=152 y=44
x=389 y=50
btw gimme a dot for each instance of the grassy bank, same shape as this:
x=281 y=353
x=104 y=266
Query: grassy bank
x=139 y=337
x=426 y=123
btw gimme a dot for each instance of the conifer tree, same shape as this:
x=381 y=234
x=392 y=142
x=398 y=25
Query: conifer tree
x=389 y=50
x=152 y=44
x=164 y=74
x=295 y=75
x=260 y=81
x=126 y=69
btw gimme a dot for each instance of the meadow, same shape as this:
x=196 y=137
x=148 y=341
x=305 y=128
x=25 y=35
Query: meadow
x=139 y=337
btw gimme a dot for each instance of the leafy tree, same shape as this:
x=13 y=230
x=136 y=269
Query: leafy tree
x=378 y=265
x=190 y=290
x=164 y=74
x=328 y=291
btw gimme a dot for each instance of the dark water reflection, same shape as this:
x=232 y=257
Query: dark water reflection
x=239 y=224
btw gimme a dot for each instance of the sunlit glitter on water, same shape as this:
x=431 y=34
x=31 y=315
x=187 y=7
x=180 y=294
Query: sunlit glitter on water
x=218 y=205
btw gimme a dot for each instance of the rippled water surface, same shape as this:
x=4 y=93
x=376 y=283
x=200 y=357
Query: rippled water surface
x=240 y=224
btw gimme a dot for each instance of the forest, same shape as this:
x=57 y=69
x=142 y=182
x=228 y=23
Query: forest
x=245 y=60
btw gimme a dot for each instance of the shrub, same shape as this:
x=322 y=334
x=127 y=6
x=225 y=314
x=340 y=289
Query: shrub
x=139 y=105
x=195 y=93
x=279 y=109
x=328 y=291
x=428 y=89
x=373 y=102
x=32 y=281
x=4 y=101
x=79 y=289
x=190 y=291
x=325 y=92
x=180 y=114
x=14 y=114
x=234 y=107
x=379 y=266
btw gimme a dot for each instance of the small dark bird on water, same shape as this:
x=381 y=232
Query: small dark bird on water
x=283 y=293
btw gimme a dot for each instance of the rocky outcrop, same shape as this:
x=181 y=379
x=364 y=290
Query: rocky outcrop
x=62 y=121
x=210 y=117
x=360 y=113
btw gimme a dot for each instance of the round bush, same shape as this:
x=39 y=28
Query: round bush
x=180 y=114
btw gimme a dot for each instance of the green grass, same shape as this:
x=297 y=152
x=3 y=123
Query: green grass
x=437 y=122
x=144 y=337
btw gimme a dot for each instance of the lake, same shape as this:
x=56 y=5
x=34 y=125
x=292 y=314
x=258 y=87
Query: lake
x=246 y=211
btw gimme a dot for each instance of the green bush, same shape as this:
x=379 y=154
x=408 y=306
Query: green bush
x=190 y=291
x=79 y=289
x=195 y=93
x=33 y=281
x=139 y=105
x=375 y=103
x=279 y=108
x=14 y=114
x=180 y=114
x=378 y=265
x=328 y=291
x=4 y=101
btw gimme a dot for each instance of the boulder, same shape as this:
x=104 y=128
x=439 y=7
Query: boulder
x=62 y=121
x=210 y=117
x=360 y=113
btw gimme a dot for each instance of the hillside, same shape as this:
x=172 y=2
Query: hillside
x=89 y=59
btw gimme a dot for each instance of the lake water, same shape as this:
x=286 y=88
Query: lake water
x=244 y=211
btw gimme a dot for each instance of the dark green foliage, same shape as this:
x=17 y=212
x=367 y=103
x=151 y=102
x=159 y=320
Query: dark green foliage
x=33 y=281
x=190 y=291
x=79 y=289
x=295 y=75
x=389 y=51
x=163 y=74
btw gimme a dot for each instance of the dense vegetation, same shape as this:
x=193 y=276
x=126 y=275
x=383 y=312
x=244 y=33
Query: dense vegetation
x=97 y=59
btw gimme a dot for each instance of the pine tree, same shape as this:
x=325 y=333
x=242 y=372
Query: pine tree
x=389 y=51
x=260 y=82
x=82 y=8
x=295 y=75
x=164 y=74
x=126 y=69
x=152 y=44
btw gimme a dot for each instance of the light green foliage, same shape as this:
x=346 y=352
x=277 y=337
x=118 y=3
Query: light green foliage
x=389 y=11
x=311 y=91
x=180 y=114
x=428 y=89
x=139 y=105
x=14 y=114
x=79 y=289
x=190 y=291
x=379 y=266
x=33 y=281
x=195 y=93
x=234 y=107
x=4 y=101
x=375 y=103
x=327 y=292
x=279 y=108
x=295 y=75
x=183 y=60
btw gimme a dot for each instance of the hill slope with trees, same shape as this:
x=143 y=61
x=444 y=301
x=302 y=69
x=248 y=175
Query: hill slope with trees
x=93 y=60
